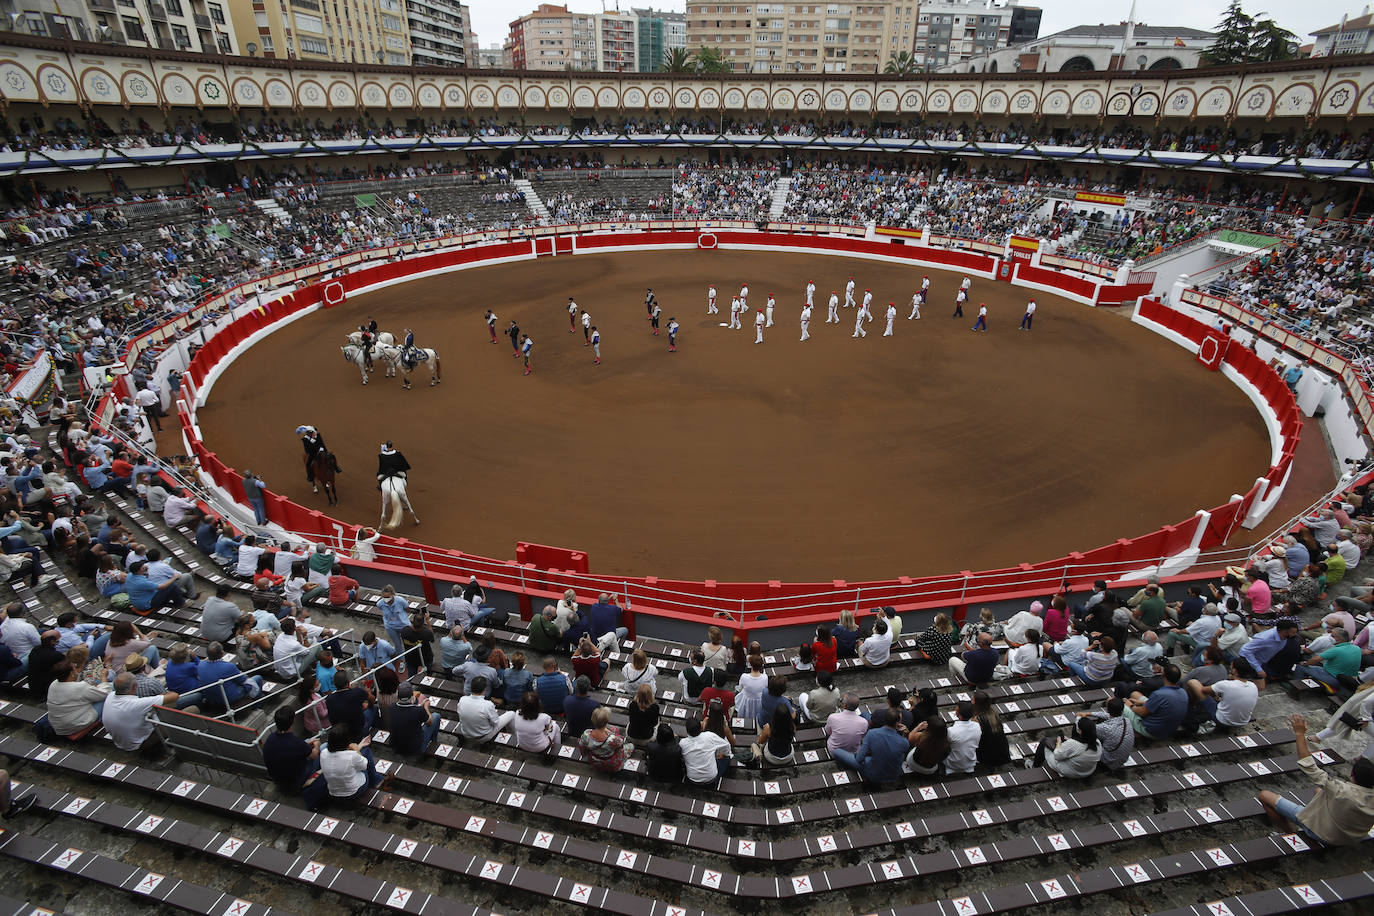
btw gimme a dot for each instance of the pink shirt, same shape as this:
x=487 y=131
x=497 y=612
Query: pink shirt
x=1261 y=598
x=845 y=729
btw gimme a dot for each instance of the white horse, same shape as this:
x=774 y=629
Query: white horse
x=429 y=359
x=384 y=338
x=395 y=501
x=355 y=355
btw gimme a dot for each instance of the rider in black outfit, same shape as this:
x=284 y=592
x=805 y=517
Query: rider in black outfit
x=391 y=463
x=367 y=338
x=314 y=444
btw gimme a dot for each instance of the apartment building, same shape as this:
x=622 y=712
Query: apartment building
x=617 y=42
x=857 y=37
x=438 y=33
x=552 y=38
x=347 y=31
x=656 y=34
x=803 y=37
x=951 y=31
x=200 y=26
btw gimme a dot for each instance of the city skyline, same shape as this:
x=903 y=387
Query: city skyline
x=491 y=18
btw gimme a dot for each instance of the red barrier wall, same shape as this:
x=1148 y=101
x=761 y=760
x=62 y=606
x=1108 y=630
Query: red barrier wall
x=1078 y=286
x=546 y=571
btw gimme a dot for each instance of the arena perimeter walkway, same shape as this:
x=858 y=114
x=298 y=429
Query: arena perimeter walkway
x=937 y=450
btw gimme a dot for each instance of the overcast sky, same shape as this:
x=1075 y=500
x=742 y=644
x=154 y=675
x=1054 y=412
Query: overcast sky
x=491 y=18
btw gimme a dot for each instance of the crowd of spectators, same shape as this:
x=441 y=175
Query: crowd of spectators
x=723 y=193
x=36 y=132
x=950 y=205
x=1312 y=286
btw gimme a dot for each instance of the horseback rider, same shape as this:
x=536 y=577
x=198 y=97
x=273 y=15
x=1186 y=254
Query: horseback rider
x=410 y=354
x=367 y=336
x=391 y=463
x=314 y=444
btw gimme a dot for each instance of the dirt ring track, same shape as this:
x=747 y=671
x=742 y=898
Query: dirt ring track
x=936 y=450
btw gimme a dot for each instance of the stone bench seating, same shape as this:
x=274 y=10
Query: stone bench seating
x=833 y=878
x=249 y=808
x=139 y=884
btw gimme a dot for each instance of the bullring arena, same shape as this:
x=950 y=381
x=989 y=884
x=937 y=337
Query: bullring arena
x=833 y=458
x=1191 y=402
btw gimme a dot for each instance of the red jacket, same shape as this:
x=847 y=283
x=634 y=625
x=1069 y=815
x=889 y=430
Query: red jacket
x=823 y=655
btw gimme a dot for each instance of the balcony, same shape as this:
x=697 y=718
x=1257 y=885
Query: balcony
x=202 y=22
x=104 y=6
x=157 y=11
x=306 y=5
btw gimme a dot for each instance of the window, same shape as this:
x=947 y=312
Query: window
x=309 y=23
x=180 y=37
x=134 y=29
x=313 y=46
x=392 y=23
x=174 y=7
x=393 y=42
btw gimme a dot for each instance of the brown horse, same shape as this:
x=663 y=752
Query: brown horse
x=322 y=469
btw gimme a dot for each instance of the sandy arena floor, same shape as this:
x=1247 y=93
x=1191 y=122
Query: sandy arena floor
x=932 y=451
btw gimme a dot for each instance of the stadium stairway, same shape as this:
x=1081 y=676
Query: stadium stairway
x=273 y=209
x=532 y=198
x=780 y=189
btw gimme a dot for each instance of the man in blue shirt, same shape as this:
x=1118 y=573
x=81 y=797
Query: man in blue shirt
x=375 y=653
x=553 y=688
x=1291 y=377
x=604 y=617
x=395 y=616
x=577 y=709
x=1263 y=646
x=880 y=755
x=976 y=665
x=235 y=685
x=145 y=594
x=160 y=571
x=1297 y=555
x=1160 y=714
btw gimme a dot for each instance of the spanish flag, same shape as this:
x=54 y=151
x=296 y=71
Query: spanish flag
x=1180 y=43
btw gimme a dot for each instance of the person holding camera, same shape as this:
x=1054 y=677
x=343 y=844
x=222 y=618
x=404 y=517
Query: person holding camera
x=1341 y=813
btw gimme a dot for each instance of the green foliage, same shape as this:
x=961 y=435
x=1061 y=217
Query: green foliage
x=1242 y=39
x=902 y=63
x=676 y=60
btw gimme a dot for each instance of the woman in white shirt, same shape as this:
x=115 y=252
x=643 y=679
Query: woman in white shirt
x=752 y=687
x=716 y=651
x=363 y=542
x=638 y=671
x=876 y=649
x=1076 y=756
x=533 y=728
x=567 y=611
x=347 y=768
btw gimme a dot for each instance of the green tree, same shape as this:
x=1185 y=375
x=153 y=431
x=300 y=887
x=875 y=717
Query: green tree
x=676 y=60
x=902 y=63
x=710 y=60
x=1242 y=39
x=1232 y=44
x=1270 y=41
